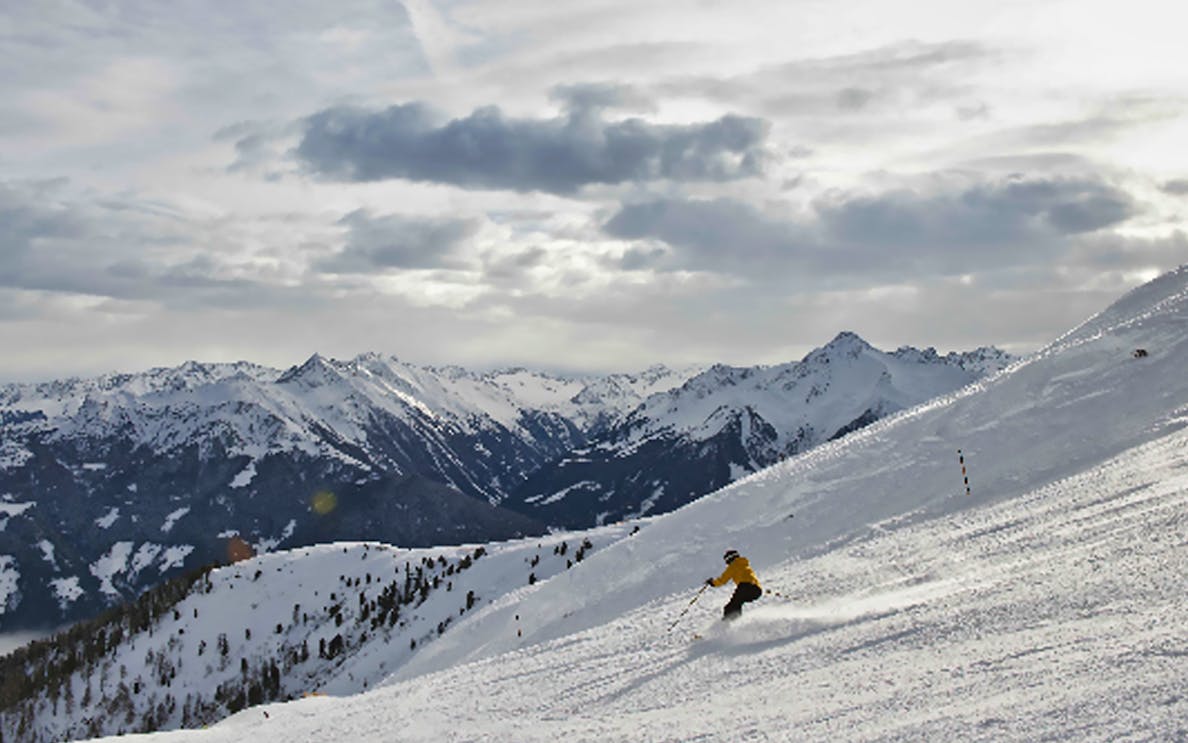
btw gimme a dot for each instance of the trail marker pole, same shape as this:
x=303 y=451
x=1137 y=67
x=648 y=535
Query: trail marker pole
x=961 y=459
x=687 y=608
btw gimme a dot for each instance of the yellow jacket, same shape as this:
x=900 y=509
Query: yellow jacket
x=739 y=571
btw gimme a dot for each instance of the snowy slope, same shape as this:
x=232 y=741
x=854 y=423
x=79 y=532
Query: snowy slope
x=1049 y=603
x=334 y=618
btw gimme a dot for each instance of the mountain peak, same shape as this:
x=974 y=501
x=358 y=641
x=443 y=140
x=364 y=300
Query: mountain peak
x=845 y=343
x=847 y=339
x=316 y=370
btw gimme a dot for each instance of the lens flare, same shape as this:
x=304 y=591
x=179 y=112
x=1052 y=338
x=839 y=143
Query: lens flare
x=324 y=502
x=237 y=550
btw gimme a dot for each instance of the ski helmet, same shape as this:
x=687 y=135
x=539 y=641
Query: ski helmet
x=729 y=556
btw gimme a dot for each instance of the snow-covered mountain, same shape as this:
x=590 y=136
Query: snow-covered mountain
x=1046 y=602
x=110 y=485
x=728 y=422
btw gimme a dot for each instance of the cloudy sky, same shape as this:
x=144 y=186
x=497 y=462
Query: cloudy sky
x=594 y=185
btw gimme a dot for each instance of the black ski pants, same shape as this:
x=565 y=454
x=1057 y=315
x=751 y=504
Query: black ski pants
x=744 y=593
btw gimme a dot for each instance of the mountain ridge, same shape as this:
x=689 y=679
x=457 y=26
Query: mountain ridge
x=162 y=463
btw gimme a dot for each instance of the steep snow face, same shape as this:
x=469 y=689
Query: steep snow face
x=836 y=383
x=1047 y=603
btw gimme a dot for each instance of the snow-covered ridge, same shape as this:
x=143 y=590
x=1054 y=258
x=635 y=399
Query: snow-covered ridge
x=784 y=394
x=260 y=410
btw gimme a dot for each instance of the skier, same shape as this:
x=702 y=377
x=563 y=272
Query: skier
x=738 y=569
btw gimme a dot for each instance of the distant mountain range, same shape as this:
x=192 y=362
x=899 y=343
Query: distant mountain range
x=109 y=485
x=728 y=422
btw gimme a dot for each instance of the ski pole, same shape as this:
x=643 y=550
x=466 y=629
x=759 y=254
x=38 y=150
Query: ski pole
x=687 y=608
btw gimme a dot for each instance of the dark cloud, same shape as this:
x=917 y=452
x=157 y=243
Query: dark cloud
x=900 y=232
x=985 y=214
x=558 y=155
x=395 y=241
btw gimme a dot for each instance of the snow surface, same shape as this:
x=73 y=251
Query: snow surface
x=111 y=564
x=9 y=509
x=106 y=520
x=173 y=517
x=175 y=556
x=47 y=551
x=67 y=590
x=1048 y=604
x=245 y=477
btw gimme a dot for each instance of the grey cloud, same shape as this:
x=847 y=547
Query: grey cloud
x=907 y=57
x=395 y=241
x=854 y=99
x=985 y=214
x=510 y=268
x=640 y=257
x=719 y=235
x=1115 y=116
x=559 y=155
x=1178 y=186
x=583 y=97
x=905 y=72
x=898 y=232
x=973 y=112
x=29 y=215
x=1067 y=163
x=119 y=248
